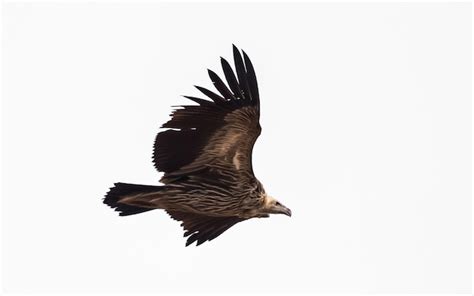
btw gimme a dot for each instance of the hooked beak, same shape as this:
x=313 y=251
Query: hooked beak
x=281 y=209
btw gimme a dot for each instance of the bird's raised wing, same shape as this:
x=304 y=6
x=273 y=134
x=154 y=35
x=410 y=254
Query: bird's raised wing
x=218 y=133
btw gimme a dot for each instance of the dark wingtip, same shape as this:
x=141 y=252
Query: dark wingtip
x=235 y=49
x=220 y=86
x=200 y=101
x=245 y=55
x=213 y=96
x=230 y=77
x=212 y=74
x=241 y=74
x=251 y=78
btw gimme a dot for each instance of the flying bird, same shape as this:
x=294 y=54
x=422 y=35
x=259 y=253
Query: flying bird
x=205 y=154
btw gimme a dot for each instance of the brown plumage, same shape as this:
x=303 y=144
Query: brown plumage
x=206 y=157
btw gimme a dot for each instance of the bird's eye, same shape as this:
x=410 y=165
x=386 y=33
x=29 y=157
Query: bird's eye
x=278 y=204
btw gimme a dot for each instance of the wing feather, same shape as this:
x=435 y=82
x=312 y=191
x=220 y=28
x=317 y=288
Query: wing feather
x=221 y=132
x=251 y=78
x=241 y=74
x=220 y=86
x=203 y=228
x=231 y=79
x=212 y=95
x=200 y=101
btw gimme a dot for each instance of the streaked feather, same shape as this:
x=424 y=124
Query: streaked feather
x=206 y=157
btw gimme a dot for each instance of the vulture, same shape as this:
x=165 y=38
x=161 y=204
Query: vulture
x=205 y=155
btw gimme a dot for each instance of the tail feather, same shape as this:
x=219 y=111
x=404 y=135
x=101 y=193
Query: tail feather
x=122 y=190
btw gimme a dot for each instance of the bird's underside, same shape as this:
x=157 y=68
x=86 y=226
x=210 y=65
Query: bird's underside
x=206 y=157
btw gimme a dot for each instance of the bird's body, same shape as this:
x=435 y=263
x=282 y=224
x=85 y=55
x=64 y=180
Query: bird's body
x=206 y=157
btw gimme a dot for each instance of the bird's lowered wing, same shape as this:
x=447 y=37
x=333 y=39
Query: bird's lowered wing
x=202 y=228
x=217 y=133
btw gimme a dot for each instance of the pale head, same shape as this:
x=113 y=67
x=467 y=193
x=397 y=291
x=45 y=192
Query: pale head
x=273 y=206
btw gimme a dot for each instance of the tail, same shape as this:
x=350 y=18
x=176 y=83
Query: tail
x=123 y=190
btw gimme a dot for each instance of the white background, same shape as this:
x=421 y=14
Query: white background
x=366 y=112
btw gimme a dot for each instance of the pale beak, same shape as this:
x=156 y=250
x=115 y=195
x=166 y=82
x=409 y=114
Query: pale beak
x=281 y=209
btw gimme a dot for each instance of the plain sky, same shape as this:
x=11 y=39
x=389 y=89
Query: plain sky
x=366 y=116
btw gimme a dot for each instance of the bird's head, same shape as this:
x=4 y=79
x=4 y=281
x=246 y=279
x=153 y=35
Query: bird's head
x=273 y=206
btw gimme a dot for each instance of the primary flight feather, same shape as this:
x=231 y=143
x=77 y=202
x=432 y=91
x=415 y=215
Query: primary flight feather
x=206 y=157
